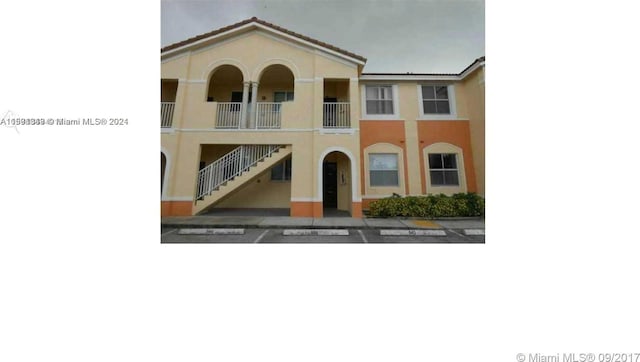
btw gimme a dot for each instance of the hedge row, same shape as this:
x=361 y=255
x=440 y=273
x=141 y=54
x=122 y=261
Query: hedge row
x=461 y=204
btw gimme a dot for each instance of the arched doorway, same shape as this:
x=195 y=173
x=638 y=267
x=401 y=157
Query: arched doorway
x=336 y=185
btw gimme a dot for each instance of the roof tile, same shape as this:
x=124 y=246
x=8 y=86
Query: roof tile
x=267 y=24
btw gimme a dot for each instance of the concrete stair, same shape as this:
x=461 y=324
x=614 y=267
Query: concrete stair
x=235 y=183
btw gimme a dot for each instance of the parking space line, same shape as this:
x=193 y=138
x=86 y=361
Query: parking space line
x=412 y=232
x=261 y=236
x=474 y=231
x=318 y=232
x=363 y=237
x=216 y=231
x=169 y=232
x=455 y=232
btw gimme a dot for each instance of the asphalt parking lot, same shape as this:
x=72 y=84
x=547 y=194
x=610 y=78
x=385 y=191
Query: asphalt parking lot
x=357 y=236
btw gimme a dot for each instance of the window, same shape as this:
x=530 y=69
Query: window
x=379 y=99
x=435 y=99
x=443 y=169
x=383 y=169
x=279 y=97
x=281 y=171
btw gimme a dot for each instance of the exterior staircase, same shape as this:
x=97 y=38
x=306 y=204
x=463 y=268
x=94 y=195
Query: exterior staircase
x=231 y=171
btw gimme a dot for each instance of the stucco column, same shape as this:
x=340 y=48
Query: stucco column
x=318 y=103
x=413 y=157
x=354 y=102
x=245 y=102
x=181 y=99
x=254 y=104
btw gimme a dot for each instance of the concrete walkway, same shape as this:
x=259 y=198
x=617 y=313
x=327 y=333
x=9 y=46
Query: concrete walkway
x=278 y=222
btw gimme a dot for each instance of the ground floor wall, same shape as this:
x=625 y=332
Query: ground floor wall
x=447 y=136
x=186 y=152
x=304 y=194
x=261 y=192
x=415 y=140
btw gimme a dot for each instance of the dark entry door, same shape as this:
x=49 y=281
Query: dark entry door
x=330 y=184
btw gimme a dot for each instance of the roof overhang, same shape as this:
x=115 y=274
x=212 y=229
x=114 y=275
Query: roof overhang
x=408 y=77
x=478 y=63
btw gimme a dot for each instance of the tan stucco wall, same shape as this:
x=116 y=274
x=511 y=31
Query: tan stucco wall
x=474 y=89
x=260 y=192
x=252 y=54
x=314 y=76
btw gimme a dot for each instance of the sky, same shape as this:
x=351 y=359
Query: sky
x=419 y=36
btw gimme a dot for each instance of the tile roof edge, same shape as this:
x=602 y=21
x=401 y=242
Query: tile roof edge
x=264 y=23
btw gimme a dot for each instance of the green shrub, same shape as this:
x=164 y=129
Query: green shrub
x=430 y=206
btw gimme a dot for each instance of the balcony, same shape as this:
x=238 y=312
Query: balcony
x=166 y=114
x=268 y=115
x=336 y=115
x=229 y=116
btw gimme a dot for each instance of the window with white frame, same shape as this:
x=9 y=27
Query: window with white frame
x=383 y=169
x=281 y=171
x=379 y=99
x=435 y=99
x=443 y=169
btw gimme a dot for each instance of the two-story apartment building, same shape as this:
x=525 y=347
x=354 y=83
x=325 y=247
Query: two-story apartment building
x=257 y=116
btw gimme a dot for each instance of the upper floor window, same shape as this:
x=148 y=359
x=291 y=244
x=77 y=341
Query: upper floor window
x=443 y=169
x=379 y=99
x=435 y=99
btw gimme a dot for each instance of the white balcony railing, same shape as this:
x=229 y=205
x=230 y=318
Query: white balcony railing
x=229 y=115
x=268 y=115
x=232 y=164
x=336 y=115
x=166 y=114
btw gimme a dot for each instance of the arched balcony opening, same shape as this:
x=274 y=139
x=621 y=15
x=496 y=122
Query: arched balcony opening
x=226 y=87
x=276 y=86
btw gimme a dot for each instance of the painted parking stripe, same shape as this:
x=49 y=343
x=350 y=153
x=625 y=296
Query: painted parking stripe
x=363 y=237
x=261 y=236
x=412 y=232
x=170 y=232
x=211 y=231
x=318 y=232
x=474 y=231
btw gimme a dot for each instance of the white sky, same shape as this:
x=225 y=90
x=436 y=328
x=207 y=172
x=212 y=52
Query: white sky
x=420 y=36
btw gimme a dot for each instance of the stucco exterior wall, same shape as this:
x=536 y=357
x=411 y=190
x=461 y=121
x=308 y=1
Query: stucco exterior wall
x=260 y=192
x=312 y=75
x=474 y=88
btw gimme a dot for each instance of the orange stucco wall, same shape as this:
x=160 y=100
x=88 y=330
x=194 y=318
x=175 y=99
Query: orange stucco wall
x=356 y=209
x=301 y=209
x=176 y=208
x=453 y=132
x=372 y=132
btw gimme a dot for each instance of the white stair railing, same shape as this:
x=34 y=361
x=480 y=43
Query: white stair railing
x=231 y=165
x=268 y=115
x=336 y=115
x=166 y=114
x=229 y=114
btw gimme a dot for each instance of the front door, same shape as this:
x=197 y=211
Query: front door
x=330 y=185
